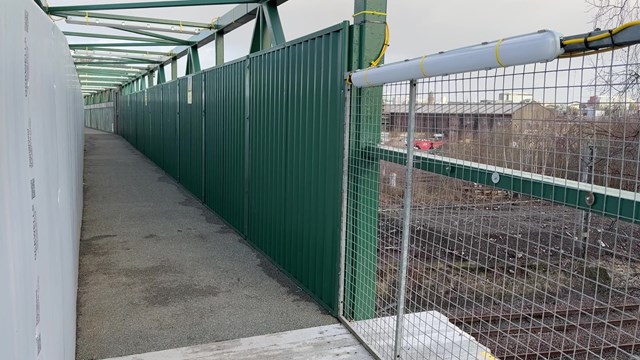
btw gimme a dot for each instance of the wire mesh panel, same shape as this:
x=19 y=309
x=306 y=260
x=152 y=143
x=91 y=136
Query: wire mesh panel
x=521 y=234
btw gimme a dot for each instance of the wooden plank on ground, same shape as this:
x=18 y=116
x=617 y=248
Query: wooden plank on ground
x=324 y=342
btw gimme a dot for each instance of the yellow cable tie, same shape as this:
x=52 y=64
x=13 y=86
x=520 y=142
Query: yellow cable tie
x=370 y=12
x=366 y=78
x=86 y=17
x=424 y=73
x=498 y=53
x=180 y=25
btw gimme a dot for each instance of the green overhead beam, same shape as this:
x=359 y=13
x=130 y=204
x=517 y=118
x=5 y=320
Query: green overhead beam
x=154 y=35
x=105 y=72
x=131 y=51
x=129 y=68
x=146 y=5
x=105 y=77
x=102 y=63
x=118 y=58
x=99 y=83
x=233 y=19
x=116 y=37
x=130 y=18
x=103 y=45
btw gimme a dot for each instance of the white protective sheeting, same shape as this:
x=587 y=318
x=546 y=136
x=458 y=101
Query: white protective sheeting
x=41 y=153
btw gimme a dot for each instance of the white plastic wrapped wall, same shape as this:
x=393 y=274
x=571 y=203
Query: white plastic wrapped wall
x=100 y=116
x=41 y=153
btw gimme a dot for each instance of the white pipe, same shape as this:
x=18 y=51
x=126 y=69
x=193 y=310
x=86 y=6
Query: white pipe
x=518 y=50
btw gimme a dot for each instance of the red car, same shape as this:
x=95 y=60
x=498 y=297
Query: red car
x=423 y=144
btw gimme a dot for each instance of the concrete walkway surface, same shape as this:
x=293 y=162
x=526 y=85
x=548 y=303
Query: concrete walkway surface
x=159 y=271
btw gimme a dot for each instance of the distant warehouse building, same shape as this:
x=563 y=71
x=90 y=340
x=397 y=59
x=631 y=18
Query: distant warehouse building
x=462 y=121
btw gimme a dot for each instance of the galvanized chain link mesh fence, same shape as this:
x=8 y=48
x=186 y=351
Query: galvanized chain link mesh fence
x=522 y=219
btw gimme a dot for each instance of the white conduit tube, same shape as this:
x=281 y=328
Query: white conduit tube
x=544 y=45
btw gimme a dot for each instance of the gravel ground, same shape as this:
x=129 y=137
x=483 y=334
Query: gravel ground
x=476 y=251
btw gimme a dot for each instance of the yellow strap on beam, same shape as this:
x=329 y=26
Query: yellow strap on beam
x=498 y=53
x=370 y=12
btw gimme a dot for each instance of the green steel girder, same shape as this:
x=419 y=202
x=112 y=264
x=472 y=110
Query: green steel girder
x=260 y=39
x=268 y=28
x=103 y=45
x=150 y=79
x=105 y=77
x=606 y=201
x=116 y=37
x=174 y=68
x=142 y=52
x=127 y=68
x=219 y=43
x=99 y=83
x=106 y=72
x=150 y=34
x=193 y=61
x=363 y=173
x=272 y=17
x=161 y=75
x=104 y=63
x=119 y=59
x=146 y=5
x=130 y=18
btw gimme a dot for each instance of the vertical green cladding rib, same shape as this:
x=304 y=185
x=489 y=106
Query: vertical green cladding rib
x=363 y=173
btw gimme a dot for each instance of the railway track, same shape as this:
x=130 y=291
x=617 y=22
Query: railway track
x=526 y=330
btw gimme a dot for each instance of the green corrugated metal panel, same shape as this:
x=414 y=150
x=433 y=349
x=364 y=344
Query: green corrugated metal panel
x=191 y=123
x=170 y=148
x=155 y=115
x=225 y=142
x=140 y=130
x=147 y=125
x=296 y=152
x=273 y=150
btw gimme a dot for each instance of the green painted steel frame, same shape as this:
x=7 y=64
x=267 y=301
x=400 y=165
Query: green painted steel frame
x=146 y=5
x=627 y=209
x=363 y=173
x=129 y=18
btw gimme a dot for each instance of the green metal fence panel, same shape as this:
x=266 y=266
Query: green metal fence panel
x=140 y=123
x=155 y=124
x=170 y=148
x=225 y=142
x=296 y=151
x=191 y=131
x=146 y=116
x=263 y=147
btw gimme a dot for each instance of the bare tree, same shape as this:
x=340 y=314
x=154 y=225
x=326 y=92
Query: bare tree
x=608 y=14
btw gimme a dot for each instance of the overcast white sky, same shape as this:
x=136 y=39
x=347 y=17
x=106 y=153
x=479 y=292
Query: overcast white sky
x=417 y=26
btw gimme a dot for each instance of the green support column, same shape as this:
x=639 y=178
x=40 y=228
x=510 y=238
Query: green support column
x=174 y=68
x=161 y=77
x=219 y=48
x=150 y=79
x=364 y=172
x=268 y=28
x=260 y=39
x=193 y=61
